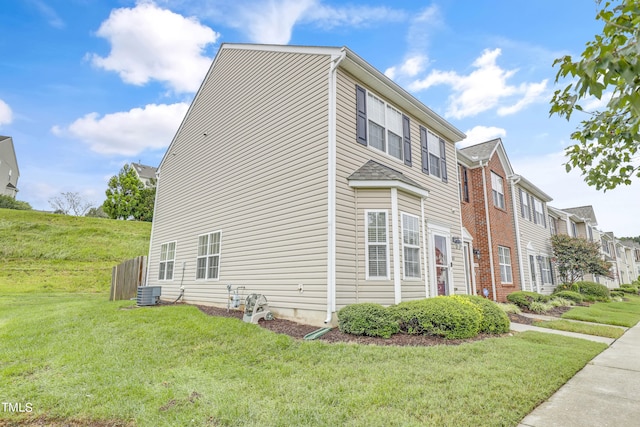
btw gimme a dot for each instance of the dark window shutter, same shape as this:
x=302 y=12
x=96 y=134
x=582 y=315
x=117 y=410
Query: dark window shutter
x=532 y=206
x=361 y=115
x=443 y=160
x=553 y=279
x=522 y=204
x=544 y=217
x=406 y=137
x=425 y=150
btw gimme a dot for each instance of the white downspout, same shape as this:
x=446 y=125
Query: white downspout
x=490 y=241
x=153 y=224
x=331 y=187
x=514 y=181
x=395 y=238
x=467 y=268
x=424 y=249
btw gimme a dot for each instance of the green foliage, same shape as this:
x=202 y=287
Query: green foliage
x=629 y=289
x=509 y=308
x=576 y=297
x=608 y=141
x=575 y=257
x=368 y=319
x=8 y=202
x=539 y=306
x=128 y=198
x=494 y=319
x=616 y=293
x=523 y=299
x=561 y=302
x=96 y=213
x=596 y=290
x=450 y=317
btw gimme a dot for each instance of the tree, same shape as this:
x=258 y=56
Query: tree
x=96 y=212
x=127 y=197
x=608 y=141
x=575 y=257
x=69 y=203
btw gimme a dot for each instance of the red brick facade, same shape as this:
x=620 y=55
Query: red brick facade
x=502 y=228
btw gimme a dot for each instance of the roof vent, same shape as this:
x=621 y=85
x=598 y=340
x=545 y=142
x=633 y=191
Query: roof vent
x=148 y=295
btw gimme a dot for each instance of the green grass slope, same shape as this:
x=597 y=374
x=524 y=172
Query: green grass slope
x=42 y=252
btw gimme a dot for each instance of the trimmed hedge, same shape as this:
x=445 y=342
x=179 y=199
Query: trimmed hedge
x=628 y=289
x=617 y=293
x=450 y=317
x=570 y=295
x=593 y=289
x=368 y=319
x=524 y=299
x=494 y=319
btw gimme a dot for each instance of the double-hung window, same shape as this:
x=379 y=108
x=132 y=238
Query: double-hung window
x=208 y=262
x=545 y=268
x=525 y=204
x=552 y=226
x=497 y=187
x=411 y=245
x=167 y=260
x=463 y=178
x=538 y=209
x=504 y=256
x=377 y=245
x=385 y=126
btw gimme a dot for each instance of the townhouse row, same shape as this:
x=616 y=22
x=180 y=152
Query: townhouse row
x=307 y=175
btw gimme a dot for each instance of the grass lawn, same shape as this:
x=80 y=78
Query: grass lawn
x=582 y=328
x=626 y=313
x=78 y=356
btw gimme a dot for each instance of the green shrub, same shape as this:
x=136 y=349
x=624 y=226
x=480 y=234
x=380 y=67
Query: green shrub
x=8 y=202
x=628 y=289
x=524 y=298
x=494 y=319
x=539 y=306
x=449 y=317
x=368 y=319
x=560 y=302
x=593 y=289
x=509 y=308
x=570 y=295
x=617 y=293
x=566 y=287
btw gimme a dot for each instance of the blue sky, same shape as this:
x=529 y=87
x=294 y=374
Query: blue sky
x=87 y=85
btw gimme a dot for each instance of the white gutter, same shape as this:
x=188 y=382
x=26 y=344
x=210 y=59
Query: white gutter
x=514 y=180
x=331 y=187
x=490 y=241
x=424 y=249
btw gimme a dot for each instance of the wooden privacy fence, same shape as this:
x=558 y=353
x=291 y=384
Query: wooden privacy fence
x=126 y=277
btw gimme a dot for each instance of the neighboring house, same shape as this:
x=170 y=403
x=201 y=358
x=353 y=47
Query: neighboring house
x=147 y=174
x=9 y=172
x=608 y=251
x=582 y=221
x=488 y=216
x=634 y=256
x=534 y=229
x=306 y=175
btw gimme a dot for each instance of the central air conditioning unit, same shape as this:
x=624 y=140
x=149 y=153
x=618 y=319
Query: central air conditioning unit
x=148 y=295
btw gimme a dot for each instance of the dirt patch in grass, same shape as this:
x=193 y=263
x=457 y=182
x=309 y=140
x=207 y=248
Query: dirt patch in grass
x=298 y=331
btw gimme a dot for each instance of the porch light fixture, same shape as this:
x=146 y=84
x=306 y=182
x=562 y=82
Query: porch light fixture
x=476 y=252
x=539 y=258
x=457 y=242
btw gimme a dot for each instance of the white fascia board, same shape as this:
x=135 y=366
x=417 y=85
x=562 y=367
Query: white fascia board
x=390 y=184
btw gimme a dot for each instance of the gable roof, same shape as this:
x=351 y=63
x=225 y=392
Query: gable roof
x=346 y=59
x=474 y=155
x=373 y=174
x=584 y=212
x=531 y=188
x=144 y=171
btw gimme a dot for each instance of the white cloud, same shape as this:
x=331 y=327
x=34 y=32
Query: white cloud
x=6 y=115
x=411 y=67
x=481 y=134
x=128 y=133
x=49 y=13
x=483 y=89
x=592 y=103
x=614 y=208
x=150 y=43
x=330 y=17
x=273 y=21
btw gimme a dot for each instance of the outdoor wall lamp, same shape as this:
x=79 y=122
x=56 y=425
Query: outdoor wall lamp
x=457 y=242
x=476 y=252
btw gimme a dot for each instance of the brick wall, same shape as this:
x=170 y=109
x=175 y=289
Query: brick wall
x=474 y=219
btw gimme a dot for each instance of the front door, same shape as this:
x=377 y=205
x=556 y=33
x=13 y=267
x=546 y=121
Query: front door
x=441 y=263
x=532 y=272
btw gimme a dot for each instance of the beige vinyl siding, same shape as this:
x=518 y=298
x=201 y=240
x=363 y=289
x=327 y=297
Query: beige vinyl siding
x=533 y=236
x=259 y=175
x=441 y=206
x=8 y=162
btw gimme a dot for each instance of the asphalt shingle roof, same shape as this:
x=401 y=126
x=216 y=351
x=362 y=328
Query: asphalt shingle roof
x=374 y=171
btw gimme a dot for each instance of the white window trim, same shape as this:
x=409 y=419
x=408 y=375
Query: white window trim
x=437 y=154
x=433 y=230
x=406 y=245
x=539 y=214
x=366 y=243
x=208 y=255
x=524 y=198
x=500 y=263
x=546 y=262
x=500 y=193
x=166 y=261
x=386 y=129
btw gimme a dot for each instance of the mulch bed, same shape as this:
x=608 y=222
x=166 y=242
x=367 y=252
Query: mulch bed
x=299 y=330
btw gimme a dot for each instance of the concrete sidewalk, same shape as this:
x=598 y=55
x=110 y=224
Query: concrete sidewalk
x=606 y=392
